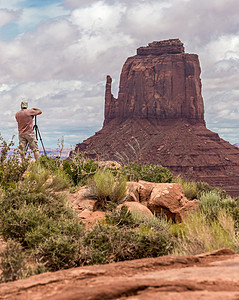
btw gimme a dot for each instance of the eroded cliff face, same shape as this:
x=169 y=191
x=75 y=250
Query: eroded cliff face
x=160 y=82
x=158 y=118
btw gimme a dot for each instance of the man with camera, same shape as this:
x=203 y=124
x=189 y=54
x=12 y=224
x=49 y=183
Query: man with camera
x=27 y=136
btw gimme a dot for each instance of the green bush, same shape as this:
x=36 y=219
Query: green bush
x=12 y=262
x=11 y=170
x=105 y=187
x=17 y=222
x=126 y=236
x=37 y=177
x=195 y=189
x=59 y=252
x=109 y=243
x=211 y=203
x=190 y=188
x=25 y=214
x=121 y=217
x=155 y=223
x=49 y=163
x=60 y=181
x=40 y=220
x=80 y=169
x=148 y=172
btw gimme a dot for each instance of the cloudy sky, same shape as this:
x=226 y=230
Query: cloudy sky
x=57 y=54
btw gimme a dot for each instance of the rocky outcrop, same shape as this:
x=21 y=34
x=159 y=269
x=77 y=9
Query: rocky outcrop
x=144 y=198
x=166 y=199
x=158 y=118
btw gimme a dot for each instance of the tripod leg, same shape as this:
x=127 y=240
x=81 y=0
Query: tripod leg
x=38 y=133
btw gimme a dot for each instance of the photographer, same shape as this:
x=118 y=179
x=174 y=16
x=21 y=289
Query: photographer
x=27 y=136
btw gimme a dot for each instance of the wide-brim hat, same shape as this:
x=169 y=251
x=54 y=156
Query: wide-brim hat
x=24 y=104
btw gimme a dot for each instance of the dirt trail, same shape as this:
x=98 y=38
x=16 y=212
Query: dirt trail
x=212 y=275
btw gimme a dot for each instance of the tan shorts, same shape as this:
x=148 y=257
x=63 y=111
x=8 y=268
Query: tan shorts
x=30 y=140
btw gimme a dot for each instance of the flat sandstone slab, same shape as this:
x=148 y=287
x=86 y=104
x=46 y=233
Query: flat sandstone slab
x=210 y=276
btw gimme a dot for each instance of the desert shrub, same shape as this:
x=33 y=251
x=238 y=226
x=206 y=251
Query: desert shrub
x=22 y=195
x=120 y=217
x=27 y=213
x=64 y=227
x=195 y=189
x=148 y=172
x=80 y=169
x=125 y=236
x=38 y=220
x=200 y=234
x=155 y=223
x=11 y=170
x=109 y=243
x=59 y=252
x=49 y=163
x=12 y=262
x=17 y=222
x=211 y=203
x=124 y=217
x=36 y=177
x=105 y=187
x=190 y=188
x=60 y=181
x=204 y=187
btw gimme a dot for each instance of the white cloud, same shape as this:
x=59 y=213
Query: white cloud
x=8 y=16
x=32 y=16
x=10 y=4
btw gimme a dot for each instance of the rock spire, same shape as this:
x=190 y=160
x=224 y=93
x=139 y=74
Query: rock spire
x=160 y=82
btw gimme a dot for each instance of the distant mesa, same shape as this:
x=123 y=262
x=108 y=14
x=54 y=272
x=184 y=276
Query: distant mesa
x=158 y=117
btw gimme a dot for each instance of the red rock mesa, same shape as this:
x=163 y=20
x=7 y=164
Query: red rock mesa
x=158 y=117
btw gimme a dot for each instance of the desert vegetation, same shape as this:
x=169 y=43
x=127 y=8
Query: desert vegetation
x=43 y=233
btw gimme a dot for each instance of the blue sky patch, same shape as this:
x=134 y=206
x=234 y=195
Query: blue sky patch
x=40 y=3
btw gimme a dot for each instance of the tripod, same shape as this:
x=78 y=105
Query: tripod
x=37 y=131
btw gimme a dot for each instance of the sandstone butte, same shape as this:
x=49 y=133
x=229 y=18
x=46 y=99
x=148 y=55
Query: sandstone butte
x=158 y=118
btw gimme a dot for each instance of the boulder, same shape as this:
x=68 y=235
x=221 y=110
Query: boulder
x=139 y=191
x=90 y=218
x=167 y=198
x=137 y=208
